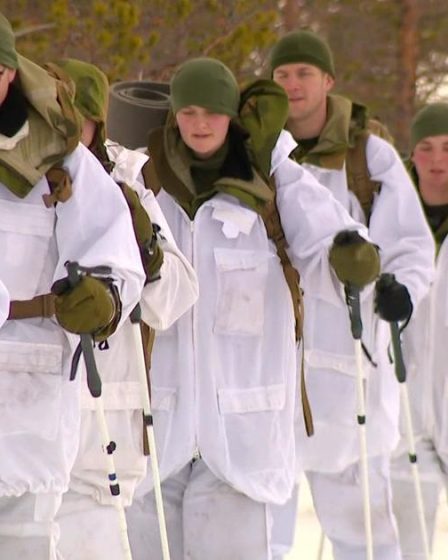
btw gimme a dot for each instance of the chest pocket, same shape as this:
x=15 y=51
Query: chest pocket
x=25 y=233
x=30 y=388
x=241 y=290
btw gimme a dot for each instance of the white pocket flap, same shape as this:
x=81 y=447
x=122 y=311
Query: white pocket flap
x=319 y=359
x=256 y=399
x=123 y=395
x=232 y=259
x=20 y=357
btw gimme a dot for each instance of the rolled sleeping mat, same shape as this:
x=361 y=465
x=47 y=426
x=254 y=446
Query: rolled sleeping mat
x=135 y=108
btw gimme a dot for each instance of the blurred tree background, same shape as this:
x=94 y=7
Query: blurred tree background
x=391 y=55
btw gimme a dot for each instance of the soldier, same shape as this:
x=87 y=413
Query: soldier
x=57 y=205
x=424 y=342
x=170 y=289
x=334 y=143
x=224 y=378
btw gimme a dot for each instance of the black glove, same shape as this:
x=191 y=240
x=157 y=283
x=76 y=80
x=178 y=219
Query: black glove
x=392 y=300
x=355 y=261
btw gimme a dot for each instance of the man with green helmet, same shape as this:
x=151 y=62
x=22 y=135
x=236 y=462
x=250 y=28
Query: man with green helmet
x=224 y=379
x=52 y=212
x=333 y=135
x=425 y=343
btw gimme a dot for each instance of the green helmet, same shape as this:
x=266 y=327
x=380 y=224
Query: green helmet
x=207 y=83
x=432 y=120
x=303 y=46
x=8 y=53
x=92 y=91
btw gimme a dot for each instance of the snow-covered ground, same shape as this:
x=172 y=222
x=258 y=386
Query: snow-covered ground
x=308 y=534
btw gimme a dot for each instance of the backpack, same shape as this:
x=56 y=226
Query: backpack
x=357 y=169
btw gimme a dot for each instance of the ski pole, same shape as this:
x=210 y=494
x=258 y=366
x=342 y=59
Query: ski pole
x=135 y=318
x=354 y=307
x=400 y=373
x=320 y=551
x=75 y=273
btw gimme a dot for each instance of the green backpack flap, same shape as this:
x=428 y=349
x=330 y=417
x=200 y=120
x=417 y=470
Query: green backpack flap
x=359 y=180
x=263 y=113
x=55 y=130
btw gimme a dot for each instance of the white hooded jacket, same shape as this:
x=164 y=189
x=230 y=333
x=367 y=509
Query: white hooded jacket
x=162 y=303
x=224 y=377
x=39 y=405
x=398 y=226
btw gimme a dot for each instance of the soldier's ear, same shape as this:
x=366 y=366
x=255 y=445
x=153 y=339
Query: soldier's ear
x=329 y=81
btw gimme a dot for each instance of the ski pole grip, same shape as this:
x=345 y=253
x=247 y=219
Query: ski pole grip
x=73 y=273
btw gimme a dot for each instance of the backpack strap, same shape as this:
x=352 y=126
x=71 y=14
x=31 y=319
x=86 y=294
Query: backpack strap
x=60 y=184
x=274 y=228
x=272 y=222
x=38 y=306
x=358 y=174
x=150 y=177
x=359 y=180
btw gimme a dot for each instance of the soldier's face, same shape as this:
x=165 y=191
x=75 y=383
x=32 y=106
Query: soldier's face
x=430 y=157
x=306 y=87
x=202 y=131
x=7 y=75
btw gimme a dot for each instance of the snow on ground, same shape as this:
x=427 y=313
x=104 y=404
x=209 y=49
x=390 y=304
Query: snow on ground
x=308 y=534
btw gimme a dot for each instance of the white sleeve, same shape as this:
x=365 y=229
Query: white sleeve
x=397 y=223
x=4 y=303
x=166 y=299
x=311 y=217
x=94 y=228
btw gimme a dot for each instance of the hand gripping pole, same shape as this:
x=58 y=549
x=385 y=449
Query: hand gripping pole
x=400 y=373
x=75 y=273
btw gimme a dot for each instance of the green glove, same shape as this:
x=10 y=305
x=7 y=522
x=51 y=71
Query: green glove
x=355 y=261
x=146 y=235
x=90 y=307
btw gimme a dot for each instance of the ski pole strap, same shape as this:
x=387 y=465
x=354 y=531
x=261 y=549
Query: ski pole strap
x=38 y=306
x=400 y=368
x=93 y=377
x=354 y=310
x=74 y=274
